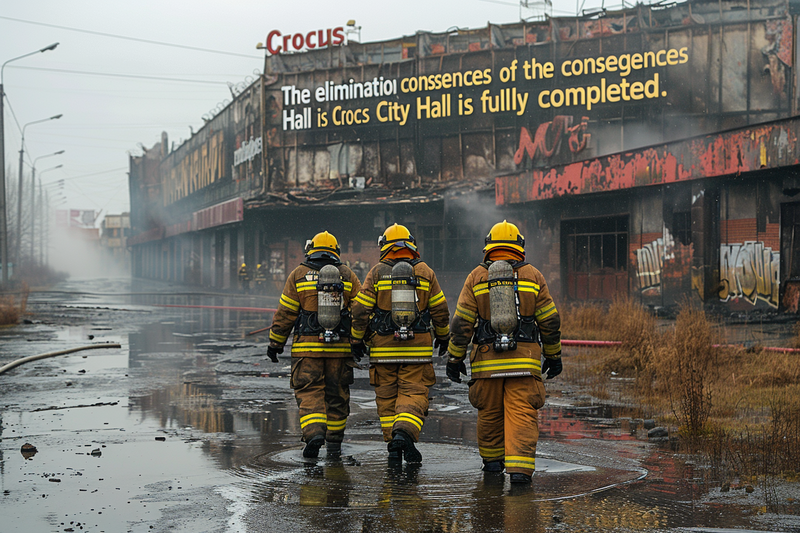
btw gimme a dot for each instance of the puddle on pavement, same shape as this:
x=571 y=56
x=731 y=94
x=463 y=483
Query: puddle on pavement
x=230 y=458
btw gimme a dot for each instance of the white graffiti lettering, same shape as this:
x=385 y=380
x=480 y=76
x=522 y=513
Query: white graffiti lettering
x=750 y=271
x=247 y=151
x=650 y=260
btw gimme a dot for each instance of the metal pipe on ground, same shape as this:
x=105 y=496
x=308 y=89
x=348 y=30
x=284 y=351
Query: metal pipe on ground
x=248 y=309
x=30 y=358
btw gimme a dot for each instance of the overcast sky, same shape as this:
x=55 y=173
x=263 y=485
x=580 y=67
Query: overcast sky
x=105 y=117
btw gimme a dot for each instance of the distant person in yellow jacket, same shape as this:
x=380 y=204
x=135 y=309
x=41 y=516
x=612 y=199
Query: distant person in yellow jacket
x=244 y=278
x=402 y=314
x=506 y=386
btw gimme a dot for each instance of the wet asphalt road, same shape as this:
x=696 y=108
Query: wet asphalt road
x=188 y=428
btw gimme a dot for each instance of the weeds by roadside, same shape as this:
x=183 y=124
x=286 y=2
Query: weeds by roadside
x=12 y=307
x=739 y=409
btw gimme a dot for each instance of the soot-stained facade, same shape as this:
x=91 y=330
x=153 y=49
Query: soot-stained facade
x=649 y=151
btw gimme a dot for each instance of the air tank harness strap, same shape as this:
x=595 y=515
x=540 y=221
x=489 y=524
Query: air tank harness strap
x=526 y=330
x=381 y=322
x=307 y=324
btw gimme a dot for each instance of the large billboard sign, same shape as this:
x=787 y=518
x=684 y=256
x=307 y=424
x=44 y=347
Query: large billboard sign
x=518 y=88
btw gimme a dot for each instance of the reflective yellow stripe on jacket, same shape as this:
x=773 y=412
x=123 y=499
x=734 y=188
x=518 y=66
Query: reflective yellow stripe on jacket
x=400 y=354
x=333 y=347
x=499 y=367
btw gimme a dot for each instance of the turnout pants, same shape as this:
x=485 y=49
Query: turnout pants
x=508 y=423
x=322 y=390
x=401 y=393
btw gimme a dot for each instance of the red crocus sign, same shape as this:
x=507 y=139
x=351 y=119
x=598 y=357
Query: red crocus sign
x=278 y=43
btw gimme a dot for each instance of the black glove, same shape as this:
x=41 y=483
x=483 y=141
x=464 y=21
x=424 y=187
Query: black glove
x=553 y=367
x=272 y=353
x=442 y=345
x=455 y=369
x=359 y=350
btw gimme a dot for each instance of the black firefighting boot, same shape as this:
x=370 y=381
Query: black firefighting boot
x=518 y=477
x=311 y=450
x=403 y=443
x=395 y=454
x=334 y=449
x=493 y=466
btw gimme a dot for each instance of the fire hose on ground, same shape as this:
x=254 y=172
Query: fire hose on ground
x=30 y=358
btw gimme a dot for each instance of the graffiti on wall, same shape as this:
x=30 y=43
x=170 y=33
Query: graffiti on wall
x=277 y=265
x=554 y=131
x=749 y=271
x=778 y=53
x=650 y=261
x=196 y=170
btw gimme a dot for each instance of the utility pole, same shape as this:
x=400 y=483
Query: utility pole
x=3 y=210
x=33 y=197
x=18 y=251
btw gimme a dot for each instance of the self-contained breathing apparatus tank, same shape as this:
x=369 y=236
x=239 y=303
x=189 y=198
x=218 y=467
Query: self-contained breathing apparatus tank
x=404 y=300
x=503 y=305
x=329 y=302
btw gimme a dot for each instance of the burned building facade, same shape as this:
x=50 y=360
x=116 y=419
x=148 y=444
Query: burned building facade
x=650 y=151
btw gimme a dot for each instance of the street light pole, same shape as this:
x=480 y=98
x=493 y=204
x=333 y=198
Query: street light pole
x=33 y=197
x=18 y=251
x=3 y=210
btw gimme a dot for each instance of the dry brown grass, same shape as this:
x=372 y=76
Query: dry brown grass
x=795 y=342
x=13 y=306
x=584 y=321
x=739 y=408
x=685 y=369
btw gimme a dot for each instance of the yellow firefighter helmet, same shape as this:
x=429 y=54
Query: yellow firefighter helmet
x=396 y=236
x=243 y=265
x=504 y=235
x=323 y=245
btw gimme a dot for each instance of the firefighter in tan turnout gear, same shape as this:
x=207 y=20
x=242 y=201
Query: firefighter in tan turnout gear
x=316 y=303
x=505 y=310
x=399 y=304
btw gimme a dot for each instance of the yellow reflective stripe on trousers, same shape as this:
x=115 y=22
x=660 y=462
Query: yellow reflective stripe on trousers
x=336 y=347
x=313 y=418
x=491 y=453
x=290 y=304
x=408 y=417
x=493 y=365
x=280 y=339
x=356 y=334
x=336 y=425
x=401 y=351
x=387 y=421
x=516 y=461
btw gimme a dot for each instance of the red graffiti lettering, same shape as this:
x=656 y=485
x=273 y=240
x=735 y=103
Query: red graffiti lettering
x=548 y=137
x=578 y=138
